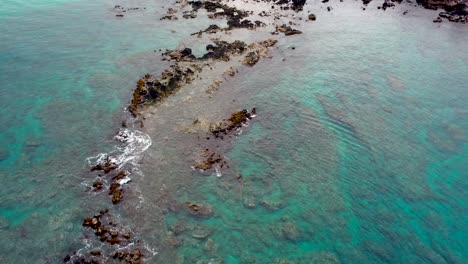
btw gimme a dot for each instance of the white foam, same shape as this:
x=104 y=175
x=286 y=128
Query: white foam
x=134 y=143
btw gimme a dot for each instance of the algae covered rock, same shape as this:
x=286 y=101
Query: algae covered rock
x=234 y=122
x=199 y=210
x=251 y=58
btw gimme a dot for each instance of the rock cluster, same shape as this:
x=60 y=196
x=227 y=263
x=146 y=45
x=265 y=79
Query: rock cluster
x=296 y=5
x=130 y=257
x=115 y=189
x=150 y=89
x=198 y=210
x=108 y=232
x=287 y=30
x=236 y=121
x=105 y=230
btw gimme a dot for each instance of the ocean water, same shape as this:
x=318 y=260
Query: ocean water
x=358 y=153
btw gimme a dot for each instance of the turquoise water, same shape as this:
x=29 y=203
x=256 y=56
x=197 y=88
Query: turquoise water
x=359 y=153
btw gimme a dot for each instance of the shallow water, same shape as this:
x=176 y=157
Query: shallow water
x=358 y=153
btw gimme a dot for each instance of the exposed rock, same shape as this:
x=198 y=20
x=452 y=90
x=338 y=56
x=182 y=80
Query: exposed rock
x=97 y=185
x=296 y=5
x=437 y=20
x=312 y=17
x=115 y=191
x=211 y=29
x=198 y=210
x=448 y=5
x=151 y=89
x=231 y=72
x=180 y=55
x=223 y=50
x=234 y=122
x=106 y=166
x=287 y=30
x=251 y=58
x=130 y=257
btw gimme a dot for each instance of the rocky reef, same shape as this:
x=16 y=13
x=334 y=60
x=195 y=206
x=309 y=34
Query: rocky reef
x=287 y=30
x=119 y=240
x=455 y=10
x=198 y=210
x=150 y=89
x=236 y=121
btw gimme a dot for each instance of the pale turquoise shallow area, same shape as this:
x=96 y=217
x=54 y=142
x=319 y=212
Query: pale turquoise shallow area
x=66 y=72
x=359 y=153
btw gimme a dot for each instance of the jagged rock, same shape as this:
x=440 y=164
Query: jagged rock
x=180 y=55
x=199 y=210
x=287 y=30
x=97 y=185
x=152 y=89
x=130 y=257
x=251 y=59
x=106 y=166
x=234 y=122
x=116 y=192
x=169 y=17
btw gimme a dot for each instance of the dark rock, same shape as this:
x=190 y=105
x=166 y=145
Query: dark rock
x=251 y=59
x=106 y=166
x=198 y=209
x=437 y=20
x=312 y=17
x=130 y=257
x=234 y=122
x=152 y=89
x=97 y=185
x=168 y=17
x=287 y=30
